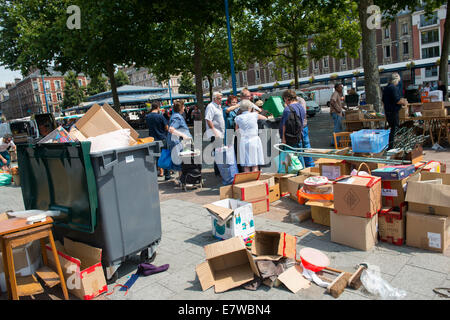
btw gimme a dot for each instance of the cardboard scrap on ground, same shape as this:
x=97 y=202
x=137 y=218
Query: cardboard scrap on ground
x=293 y=279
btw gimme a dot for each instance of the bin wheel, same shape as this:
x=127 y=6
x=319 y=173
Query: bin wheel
x=143 y=257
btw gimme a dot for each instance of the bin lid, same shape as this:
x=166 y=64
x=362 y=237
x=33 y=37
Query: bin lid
x=59 y=176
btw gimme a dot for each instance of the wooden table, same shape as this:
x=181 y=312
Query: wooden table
x=432 y=125
x=378 y=121
x=16 y=232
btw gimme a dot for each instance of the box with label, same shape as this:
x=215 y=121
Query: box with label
x=428 y=232
x=356 y=232
x=274 y=193
x=394 y=172
x=393 y=192
x=435 y=113
x=433 y=105
x=268 y=245
x=430 y=194
x=358 y=196
x=320 y=211
x=231 y=218
x=333 y=168
x=392 y=224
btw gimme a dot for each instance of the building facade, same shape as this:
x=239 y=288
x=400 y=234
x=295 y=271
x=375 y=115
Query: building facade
x=26 y=96
x=144 y=78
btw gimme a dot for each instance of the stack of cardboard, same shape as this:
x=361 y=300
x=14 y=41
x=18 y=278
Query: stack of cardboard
x=434 y=109
x=427 y=219
x=357 y=200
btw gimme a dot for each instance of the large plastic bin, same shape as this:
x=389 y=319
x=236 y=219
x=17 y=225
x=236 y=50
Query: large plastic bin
x=274 y=105
x=108 y=199
x=369 y=141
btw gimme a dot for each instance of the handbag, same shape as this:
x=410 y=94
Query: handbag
x=165 y=160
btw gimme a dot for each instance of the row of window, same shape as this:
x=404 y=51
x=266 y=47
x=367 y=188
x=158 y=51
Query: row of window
x=56 y=83
x=49 y=97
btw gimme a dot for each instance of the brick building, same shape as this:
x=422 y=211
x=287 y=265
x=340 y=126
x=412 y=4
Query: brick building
x=26 y=96
x=142 y=77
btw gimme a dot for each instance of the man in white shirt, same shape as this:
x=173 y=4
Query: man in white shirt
x=215 y=124
x=5 y=143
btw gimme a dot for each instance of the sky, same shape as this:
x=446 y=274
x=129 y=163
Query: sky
x=7 y=75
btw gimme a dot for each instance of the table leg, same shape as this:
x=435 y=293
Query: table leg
x=44 y=252
x=11 y=271
x=58 y=265
x=5 y=269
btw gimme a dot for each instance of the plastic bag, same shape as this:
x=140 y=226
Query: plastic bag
x=5 y=179
x=288 y=163
x=111 y=140
x=165 y=160
x=374 y=284
x=226 y=163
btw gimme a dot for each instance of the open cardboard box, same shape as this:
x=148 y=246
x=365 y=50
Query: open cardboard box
x=333 y=168
x=100 y=120
x=269 y=245
x=81 y=266
x=429 y=198
x=228 y=265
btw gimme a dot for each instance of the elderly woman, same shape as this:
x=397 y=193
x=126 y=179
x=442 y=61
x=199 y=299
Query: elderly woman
x=251 y=153
x=177 y=129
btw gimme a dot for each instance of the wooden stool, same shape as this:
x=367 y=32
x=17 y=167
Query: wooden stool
x=16 y=232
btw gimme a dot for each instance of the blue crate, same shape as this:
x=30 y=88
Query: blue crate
x=369 y=140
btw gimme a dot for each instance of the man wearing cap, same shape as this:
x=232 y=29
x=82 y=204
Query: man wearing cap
x=393 y=102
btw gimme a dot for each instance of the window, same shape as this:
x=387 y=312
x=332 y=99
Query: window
x=428 y=22
x=35 y=86
x=37 y=97
x=206 y=84
x=429 y=36
x=430 y=52
x=244 y=76
x=271 y=73
x=316 y=64
x=325 y=62
x=257 y=74
x=405 y=48
x=219 y=82
x=49 y=97
x=431 y=72
x=405 y=28
x=80 y=83
x=386 y=33
x=59 y=96
x=57 y=85
x=387 y=51
x=47 y=85
x=343 y=61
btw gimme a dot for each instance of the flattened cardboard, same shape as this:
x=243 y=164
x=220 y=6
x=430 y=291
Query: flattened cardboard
x=427 y=231
x=228 y=265
x=357 y=196
x=274 y=193
x=100 y=120
x=392 y=225
x=222 y=213
x=429 y=198
x=268 y=245
x=82 y=268
x=356 y=232
x=293 y=279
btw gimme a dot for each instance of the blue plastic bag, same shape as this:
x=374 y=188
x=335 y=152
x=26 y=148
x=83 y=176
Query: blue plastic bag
x=226 y=163
x=165 y=160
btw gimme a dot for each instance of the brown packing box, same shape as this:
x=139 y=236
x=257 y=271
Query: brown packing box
x=427 y=231
x=393 y=192
x=435 y=113
x=372 y=165
x=433 y=105
x=228 y=265
x=320 y=211
x=429 y=197
x=333 y=168
x=356 y=232
x=268 y=245
x=226 y=192
x=358 y=196
x=294 y=184
x=274 y=193
x=268 y=178
x=416 y=155
x=392 y=224
x=354 y=115
x=403 y=113
x=282 y=180
x=311 y=171
x=100 y=120
x=251 y=191
x=82 y=268
x=260 y=206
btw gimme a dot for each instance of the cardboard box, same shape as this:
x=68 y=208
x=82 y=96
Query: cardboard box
x=294 y=184
x=358 y=196
x=435 y=113
x=430 y=198
x=433 y=105
x=354 y=115
x=427 y=231
x=333 y=168
x=267 y=178
x=310 y=171
x=251 y=191
x=392 y=225
x=282 y=180
x=231 y=218
x=320 y=211
x=274 y=193
x=100 y=120
x=394 y=172
x=414 y=156
x=403 y=113
x=269 y=245
x=393 y=192
x=372 y=165
x=261 y=206
x=228 y=265
x=82 y=268
x=356 y=232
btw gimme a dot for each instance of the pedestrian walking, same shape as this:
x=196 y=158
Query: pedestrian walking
x=251 y=154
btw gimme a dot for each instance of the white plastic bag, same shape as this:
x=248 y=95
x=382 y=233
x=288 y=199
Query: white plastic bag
x=111 y=140
x=374 y=284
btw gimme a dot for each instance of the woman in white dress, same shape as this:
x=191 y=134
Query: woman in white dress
x=251 y=153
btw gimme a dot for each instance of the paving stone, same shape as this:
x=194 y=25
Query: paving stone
x=150 y=292
x=431 y=261
x=388 y=263
x=418 y=280
x=445 y=284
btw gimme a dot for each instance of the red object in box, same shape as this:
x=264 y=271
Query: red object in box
x=391 y=225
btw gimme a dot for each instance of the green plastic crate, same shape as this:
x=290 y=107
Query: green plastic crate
x=274 y=105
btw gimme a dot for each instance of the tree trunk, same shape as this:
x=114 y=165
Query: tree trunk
x=370 y=62
x=112 y=80
x=443 y=65
x=210 y=81
x=295 y=64
x=198 y=76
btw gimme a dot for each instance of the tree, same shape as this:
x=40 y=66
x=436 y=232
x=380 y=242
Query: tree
x=98 y=84
x=186 y=84
x=73 y=93
x=121 y=78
